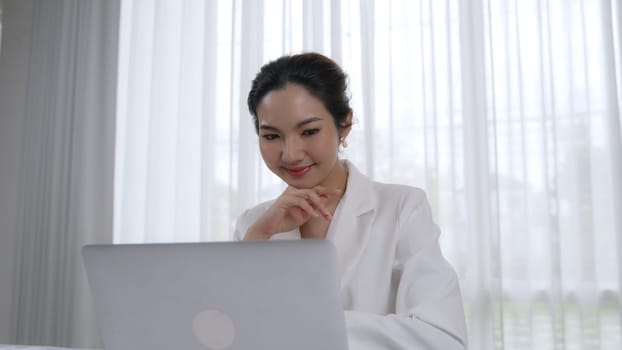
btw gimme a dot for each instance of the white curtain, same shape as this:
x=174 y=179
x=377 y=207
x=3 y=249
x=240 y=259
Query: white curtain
x=66 y=173
x=506 y=112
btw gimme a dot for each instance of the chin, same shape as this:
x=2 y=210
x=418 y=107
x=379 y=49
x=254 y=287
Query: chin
x=300 y=183
x=303 y=183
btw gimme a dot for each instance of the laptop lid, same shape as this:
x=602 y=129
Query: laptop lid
x=218 y=295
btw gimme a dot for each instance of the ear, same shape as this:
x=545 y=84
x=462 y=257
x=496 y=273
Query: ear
x=347 y=126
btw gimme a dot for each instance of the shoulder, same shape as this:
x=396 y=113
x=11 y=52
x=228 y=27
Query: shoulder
x=361 y=185
x=397 y=194
x=401 y=214
x=410 y=215
x=397 y=198
x=388 y=200
x=409 y=205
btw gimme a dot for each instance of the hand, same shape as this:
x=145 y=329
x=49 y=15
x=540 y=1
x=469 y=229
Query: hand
x=293 y=208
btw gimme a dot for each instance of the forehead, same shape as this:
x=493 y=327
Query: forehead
x=290 y=105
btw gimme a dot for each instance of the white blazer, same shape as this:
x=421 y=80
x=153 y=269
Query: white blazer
x=398 y=291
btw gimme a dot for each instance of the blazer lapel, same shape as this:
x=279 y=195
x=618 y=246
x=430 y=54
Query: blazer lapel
x=353 y=226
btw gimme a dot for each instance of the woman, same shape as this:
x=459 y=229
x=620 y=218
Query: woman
x=397 y=289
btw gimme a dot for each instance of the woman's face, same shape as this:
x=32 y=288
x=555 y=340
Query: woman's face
x=298 y=139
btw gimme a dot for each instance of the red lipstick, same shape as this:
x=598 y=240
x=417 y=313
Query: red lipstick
x=300 y=171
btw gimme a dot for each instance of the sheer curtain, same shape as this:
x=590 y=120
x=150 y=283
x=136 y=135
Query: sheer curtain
x=506 y=112
x=63 y=113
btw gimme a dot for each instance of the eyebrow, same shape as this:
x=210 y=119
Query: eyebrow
x=298 y=126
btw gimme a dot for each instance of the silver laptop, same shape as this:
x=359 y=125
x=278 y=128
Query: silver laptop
x=224 y=295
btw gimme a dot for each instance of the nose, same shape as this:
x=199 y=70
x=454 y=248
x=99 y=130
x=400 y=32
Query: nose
x=293 y=151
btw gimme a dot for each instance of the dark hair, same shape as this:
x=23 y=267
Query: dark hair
x=320 y=75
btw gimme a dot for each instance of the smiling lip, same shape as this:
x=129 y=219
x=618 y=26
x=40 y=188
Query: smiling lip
x=299 y=171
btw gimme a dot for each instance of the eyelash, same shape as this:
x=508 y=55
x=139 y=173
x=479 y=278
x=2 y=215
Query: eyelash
x=270 y=137
x=308 y=132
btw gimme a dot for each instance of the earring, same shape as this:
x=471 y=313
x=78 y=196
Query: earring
x=343 y=142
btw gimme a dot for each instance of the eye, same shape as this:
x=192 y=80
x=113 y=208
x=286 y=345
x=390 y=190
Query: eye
x=270 y=137
x=310 y=132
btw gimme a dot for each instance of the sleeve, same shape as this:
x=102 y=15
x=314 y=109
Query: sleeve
x=429 y=311
x=241 y=226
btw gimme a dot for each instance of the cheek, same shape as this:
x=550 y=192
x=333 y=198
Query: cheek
x=269 y=151
x=326 y=147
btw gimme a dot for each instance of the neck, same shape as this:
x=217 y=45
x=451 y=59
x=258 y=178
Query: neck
x=338 y=179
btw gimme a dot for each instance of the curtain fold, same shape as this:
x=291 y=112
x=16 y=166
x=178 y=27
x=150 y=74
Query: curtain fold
x=67 y=170
x=506 y=112
x=611 y=30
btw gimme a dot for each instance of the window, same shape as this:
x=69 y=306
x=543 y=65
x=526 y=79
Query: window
x=502 y=111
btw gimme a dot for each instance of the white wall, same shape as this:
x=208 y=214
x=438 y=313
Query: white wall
x=16 y=24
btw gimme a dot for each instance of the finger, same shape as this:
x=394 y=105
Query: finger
x=301 y=203
x=316 y=197
x=318 y=203
x=301 y=198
